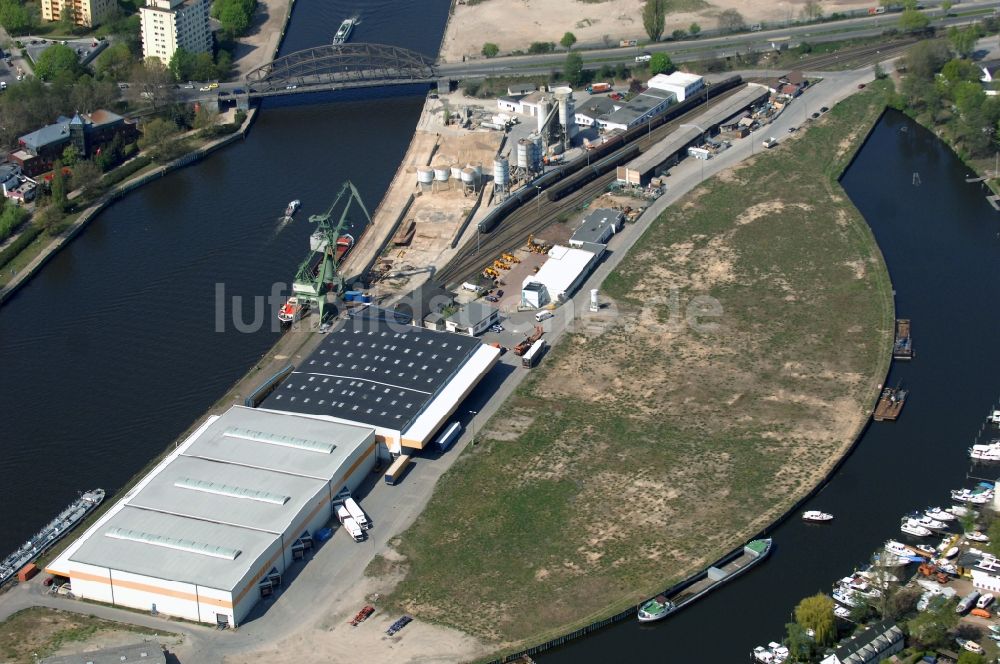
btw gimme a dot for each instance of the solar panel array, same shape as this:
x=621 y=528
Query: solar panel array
x=377 y=373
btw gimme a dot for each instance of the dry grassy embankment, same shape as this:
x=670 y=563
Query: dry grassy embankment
x=643 y=449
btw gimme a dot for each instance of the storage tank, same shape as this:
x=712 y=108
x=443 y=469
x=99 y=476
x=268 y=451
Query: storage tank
x=456 y=171
x=567 y=111
x=595 y=304
x=477 y=166
x=442 y=174
x=544 y=106
x=539 y=150
x=501 y=173
x=425 y=175
x=468 y=176
x=524 y=149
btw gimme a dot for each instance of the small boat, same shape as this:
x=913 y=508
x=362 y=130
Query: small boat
x=344 y=31
x=291 y=310
x=898 y=549
x=860 y=586
x=890 y=404
x=655 y=609
x=292 y=208
x=816 y=516
x=902 y=347
x=925 y=550
x=977 y=536
x=911 y=527
x=939 y=514
x=845 y=597
x=972 y=496
x=951 y=553
x=990 y=452
x=362 y=616
x=994 y=418
x=842 y=612
x=928 y=522
x=961 y=510
x=344 y=244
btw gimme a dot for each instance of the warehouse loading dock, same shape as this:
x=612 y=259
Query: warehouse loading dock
x=639 y=171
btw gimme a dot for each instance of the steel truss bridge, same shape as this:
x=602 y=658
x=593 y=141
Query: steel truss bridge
x=338 y=67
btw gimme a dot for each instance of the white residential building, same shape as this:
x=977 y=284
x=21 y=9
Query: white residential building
x=171 y=24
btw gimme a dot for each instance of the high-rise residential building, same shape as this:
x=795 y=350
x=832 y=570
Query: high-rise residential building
x=87 y=13
x=171 y=24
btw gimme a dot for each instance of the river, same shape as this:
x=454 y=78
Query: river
x=111 y=351
x=940 y=241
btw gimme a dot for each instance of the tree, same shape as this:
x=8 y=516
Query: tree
x=913 y=21
x=86 y=174
x=491 y=50
x=660 y=64
x=203 y=68
x=930 y=628
x=234 y=19
x=51 y=219
x=537 y=48
x=115 y=62
x=70 y=156
x=151 y=80
x=812 y=11
x=956 y=71
x=963 y=41
x=573 y=69
x=816 y=613
x=654 y=18
x=731 y=21
x=182 y=64
x=205 y=117
x=800 y=646
x=55 y=60
x=966 y=657
x=11 y=217
x=879 y=71
x=925 y=59
x=15 y=17
x=156 y=134
x=678 y=34
x=568 y=40
x=694 y=29
x=82 y=96
x=57 y=187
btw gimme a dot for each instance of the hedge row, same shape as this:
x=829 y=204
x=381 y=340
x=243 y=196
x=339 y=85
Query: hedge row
x=19 y=244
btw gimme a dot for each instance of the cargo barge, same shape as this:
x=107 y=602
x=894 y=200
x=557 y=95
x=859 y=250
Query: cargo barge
x=890 y=404
x=43 y=540
x=902 y=347
x=661 y=606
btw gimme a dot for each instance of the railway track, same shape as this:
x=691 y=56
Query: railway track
x=859 y=56
x=534 y=216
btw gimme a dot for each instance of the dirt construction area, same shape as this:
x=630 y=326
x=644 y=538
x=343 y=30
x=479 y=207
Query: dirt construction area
x=747 y=333
x=515 y=24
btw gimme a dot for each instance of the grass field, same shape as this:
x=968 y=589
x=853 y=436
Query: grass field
x=33 y=634
x=643 y=448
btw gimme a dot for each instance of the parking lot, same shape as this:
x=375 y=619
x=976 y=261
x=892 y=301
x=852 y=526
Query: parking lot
x=86 y=49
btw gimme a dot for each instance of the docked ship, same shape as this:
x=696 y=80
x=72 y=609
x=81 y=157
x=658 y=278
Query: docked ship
x=902 y=347
x=68 y=519
x=344 y=31
x=292 y=208
x=890 y=404
x=291 y=310
x=661 y=606
x=344 y=244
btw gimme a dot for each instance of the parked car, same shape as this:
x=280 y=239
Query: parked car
x=861 y=86
x=204 y=88
x=223 y=93
x=213 y=86
x=500 y=293
x=188 y=86
x=492 y=298
x=239 y=91
x=645 y=57
x=823 y=109
x=291 y=87
x=792 y=130
x=497 y=328
x=814 y=116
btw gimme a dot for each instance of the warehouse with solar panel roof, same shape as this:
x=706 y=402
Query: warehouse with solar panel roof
x=217 y=524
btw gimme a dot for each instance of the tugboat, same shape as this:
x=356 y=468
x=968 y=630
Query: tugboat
x=890 y=404
x=344 y=31
x=291 y=310
x=815 y=516
x=902 y=348
x=292 y=208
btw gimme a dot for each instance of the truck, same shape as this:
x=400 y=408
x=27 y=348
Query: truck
x=530 y=358
x=625 y=43
x=448 y=436
x=523 y=347
x=352 y=527
x=357 y=513
x=770 y=142
x=598 y=87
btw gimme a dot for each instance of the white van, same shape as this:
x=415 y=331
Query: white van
x=543 y=315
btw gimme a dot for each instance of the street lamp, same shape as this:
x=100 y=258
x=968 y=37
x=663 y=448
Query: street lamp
x=473 y=424
x=538 y=198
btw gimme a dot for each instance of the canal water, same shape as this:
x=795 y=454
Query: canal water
x=112 y=350
x=940 y=240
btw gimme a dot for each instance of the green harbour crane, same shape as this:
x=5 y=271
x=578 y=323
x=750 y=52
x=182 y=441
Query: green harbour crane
x=319 y=274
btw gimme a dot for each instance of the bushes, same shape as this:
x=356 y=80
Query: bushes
x=127 y=170
x=18 y=245
x=11 y=216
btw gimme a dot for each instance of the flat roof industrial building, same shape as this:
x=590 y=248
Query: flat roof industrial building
x=217 y=523
x=560 y=275
x=402 y=380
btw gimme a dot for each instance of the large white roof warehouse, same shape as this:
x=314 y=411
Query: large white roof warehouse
x=216 y=523
x=402 y=380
